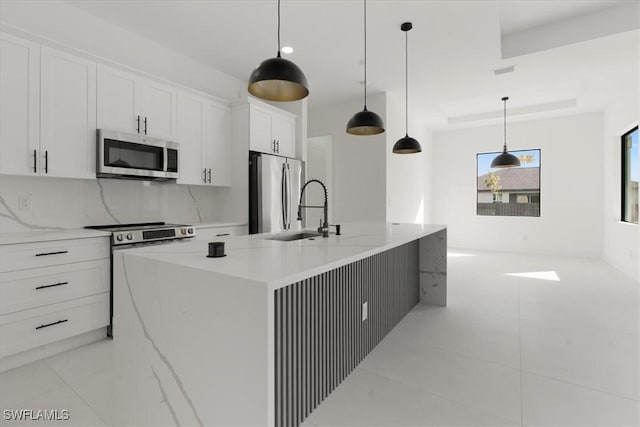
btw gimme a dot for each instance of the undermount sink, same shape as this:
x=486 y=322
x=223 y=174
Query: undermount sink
x=288 y=237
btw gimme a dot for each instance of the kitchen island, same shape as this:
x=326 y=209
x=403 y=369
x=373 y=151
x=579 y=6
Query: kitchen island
x=264 y=334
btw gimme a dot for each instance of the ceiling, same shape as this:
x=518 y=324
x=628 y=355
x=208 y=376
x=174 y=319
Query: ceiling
x=453 y=48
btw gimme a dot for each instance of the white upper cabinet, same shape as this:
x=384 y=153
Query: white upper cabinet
x=130 y=103
x=271 y=130
x=158 y=102
x=191 y=128
x=217 y=147
x=204 y=134
x=19 y=105
x=283 y=130
x=68 y=114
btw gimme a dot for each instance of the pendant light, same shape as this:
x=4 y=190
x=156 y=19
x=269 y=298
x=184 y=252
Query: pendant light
x=406 y=144
x=278 y=79
x=505 y=160
x=365 y=122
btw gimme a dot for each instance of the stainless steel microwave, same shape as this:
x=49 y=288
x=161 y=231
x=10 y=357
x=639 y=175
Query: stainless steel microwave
x=131 y=156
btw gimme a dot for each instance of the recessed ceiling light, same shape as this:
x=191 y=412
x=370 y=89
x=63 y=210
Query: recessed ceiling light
x=287 y=49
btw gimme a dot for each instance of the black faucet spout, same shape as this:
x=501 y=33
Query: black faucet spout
x=324 y=228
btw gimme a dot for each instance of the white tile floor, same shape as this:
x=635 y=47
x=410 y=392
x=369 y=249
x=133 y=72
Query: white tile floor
x=508 y=350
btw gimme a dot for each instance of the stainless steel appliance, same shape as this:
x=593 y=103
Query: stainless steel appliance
x=274 y=190
x=149 y=233
x=131 y=156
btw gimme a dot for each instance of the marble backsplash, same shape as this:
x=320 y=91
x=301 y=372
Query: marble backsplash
x=60 y=203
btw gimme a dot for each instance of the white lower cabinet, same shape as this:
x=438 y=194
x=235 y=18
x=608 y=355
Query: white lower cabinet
x=28 y=329
x=52 y=290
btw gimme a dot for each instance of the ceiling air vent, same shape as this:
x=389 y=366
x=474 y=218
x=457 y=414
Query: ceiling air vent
x=505 y=70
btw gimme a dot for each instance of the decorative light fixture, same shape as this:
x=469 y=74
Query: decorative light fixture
x=406 y=144
x=505 y=160
x=365 y=122
x=278 y=79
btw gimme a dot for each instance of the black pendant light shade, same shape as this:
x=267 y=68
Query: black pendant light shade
x=506 y=159
x=365 y=122
x=278 y=79
x=406 y=144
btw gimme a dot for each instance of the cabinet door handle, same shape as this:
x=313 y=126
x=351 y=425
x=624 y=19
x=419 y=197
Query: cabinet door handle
x=46 y=161
x=204 y=175
x=145 y=125
x=51 y=324
x=273 y=145
x=277 y=146
x=209 y=175
x=52 y=286
x=52 y=253
x=222 y=234
x=138 y=120
x=35 y=161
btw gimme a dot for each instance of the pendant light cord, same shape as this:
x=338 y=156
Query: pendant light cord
x=406 y=83
x=505 y=123
x=278 y=28
x=364 y=84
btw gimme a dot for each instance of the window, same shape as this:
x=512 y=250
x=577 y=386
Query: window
x=510 y=191
x=630 y=176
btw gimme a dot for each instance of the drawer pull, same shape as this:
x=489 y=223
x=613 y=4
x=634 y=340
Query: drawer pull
x=51 y=286
x=51 y=324
x=53 y=253
x=222 y=234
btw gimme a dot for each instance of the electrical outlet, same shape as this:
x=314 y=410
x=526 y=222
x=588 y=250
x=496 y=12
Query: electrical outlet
x=24 y=202
x=365 y=311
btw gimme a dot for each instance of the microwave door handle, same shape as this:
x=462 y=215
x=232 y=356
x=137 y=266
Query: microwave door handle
x=165 y=159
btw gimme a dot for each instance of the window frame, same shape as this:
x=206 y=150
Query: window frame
x=624 y=173
x=539 y=150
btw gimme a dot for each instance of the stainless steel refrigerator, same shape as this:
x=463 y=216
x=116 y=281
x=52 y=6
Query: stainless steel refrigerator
x=274 y=192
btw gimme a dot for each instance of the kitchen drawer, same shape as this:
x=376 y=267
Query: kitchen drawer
x=25 y=289
x=212 y=233
x=43 y=254
x=28 y=329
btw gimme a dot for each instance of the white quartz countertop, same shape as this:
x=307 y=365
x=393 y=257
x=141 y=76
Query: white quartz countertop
x=278 y=263
x=49 y=235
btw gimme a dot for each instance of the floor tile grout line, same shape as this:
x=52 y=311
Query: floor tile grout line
x=70 y=386
x=44 y=392
x=448 y=399
x=465 y=356
x=597 y=390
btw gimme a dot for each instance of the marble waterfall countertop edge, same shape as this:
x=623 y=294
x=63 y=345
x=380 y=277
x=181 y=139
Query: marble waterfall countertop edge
x=17 y=237
x=277 y=263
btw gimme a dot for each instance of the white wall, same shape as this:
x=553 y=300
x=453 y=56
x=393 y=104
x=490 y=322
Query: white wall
x=621 y=240
x=359 y=162
x=82 y=202
x=59 y=21
x=571 y=187
x=408 y=175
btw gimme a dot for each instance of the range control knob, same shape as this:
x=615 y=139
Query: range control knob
x=119 y=237
x=190 y=230
x=183 y=231
x=129 y=236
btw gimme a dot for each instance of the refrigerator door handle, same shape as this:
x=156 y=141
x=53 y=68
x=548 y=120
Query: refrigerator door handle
x=284 y=195
x=289 y=197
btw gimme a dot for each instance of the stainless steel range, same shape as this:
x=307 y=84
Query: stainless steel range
x=125 y=236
